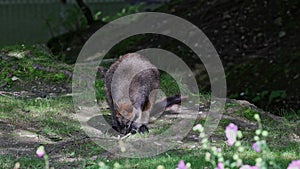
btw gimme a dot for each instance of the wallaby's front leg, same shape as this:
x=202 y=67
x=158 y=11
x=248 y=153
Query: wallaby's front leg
x=140 y=120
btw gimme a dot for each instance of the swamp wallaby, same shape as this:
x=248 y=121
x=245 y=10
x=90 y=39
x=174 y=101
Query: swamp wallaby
x=131 y=85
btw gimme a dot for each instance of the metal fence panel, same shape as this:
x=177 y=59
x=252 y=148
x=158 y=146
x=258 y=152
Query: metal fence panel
x=26 y=20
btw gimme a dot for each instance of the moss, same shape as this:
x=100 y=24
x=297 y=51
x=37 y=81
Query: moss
x=19 y=67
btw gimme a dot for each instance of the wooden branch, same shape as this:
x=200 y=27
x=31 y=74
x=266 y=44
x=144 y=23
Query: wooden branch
x=86 y=11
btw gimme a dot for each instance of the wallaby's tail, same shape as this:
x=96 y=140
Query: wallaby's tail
x=159 y=107
x=176 y=99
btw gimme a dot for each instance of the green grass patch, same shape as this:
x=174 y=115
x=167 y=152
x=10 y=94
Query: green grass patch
x=168 y=159
x=22 y=63
x=50 y=116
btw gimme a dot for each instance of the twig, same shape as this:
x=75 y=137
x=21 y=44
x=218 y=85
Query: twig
x=47 y=69
x=126 y=136
x=3 y=93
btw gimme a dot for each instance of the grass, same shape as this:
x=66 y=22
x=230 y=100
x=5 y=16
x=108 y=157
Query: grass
x=55 y=117
x=168 y=159
x=20 y=61
x=47 y=115
x=8 y=161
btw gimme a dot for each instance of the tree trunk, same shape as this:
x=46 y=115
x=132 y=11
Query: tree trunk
x=86 y=11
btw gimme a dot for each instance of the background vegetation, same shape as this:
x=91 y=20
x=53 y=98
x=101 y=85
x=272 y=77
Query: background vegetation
x=257 y=42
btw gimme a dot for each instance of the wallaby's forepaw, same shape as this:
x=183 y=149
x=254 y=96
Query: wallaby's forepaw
x=134 y=129
x=116 y=128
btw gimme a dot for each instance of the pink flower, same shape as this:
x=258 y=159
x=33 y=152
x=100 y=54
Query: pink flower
x=101 y=164
x=40 y=151
x=256 y=147
x=220 y=166
x=249 y=167
x=231 y=132
x=295 y=164
x=198 y=127
x=181 y=165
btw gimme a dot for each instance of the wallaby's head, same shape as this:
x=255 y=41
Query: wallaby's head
x=124 y=115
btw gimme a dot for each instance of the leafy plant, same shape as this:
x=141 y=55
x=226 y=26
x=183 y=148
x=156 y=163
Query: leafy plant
x=125 y=11
x=217 y=160
x=59 y=77
x=277 y=94
x=72 y=19
x=99 y=88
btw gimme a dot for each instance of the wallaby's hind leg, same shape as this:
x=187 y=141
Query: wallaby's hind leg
x=142 y=114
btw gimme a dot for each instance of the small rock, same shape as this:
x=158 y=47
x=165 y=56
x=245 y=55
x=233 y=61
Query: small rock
x=14 y=78
x=278 y=21
x=18 y=55
x=281 y=34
